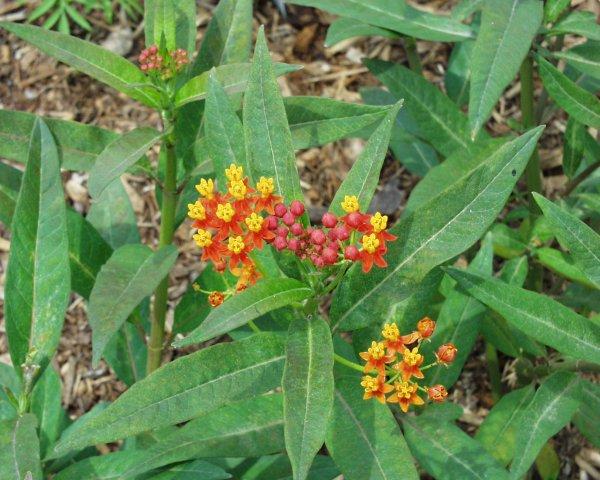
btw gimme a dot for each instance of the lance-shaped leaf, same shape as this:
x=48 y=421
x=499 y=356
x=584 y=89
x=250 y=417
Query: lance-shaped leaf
x=553 y=9
x=233 y=78
x=90 y=59
x=498 y=432
x=20 y=449
x=445 y=451
x=344 y=28
x=582 y=105
x=537 y=315
x=438 y=119
x=458 y=75
x=574 y=147
x=397 y=16
x=587 y=418
x=586 y=58
x=186 y=388
x=562 y=264
x=363 y=437
x=131 y=274
x=46 y=405
x=126 y=353
x=10 y=183
x=307 y=390
x=582 y=242
x=37 y=280
x=363 y=177
x=466 y=8
x=580 y=23
x=442 y=228
x=507 y=29
x=191 y=470
x=175 y=19
x=266 y=296
x=550 y=410
x=117 y=157
x=268 y=137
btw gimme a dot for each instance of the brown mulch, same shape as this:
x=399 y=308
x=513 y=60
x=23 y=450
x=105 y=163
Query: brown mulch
x=33 y=82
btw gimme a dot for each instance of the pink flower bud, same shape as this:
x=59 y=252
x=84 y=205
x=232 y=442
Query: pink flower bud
x=318 y=248
x=289 y=218
x=282 y=231
x=297 y=208
x=280 y=210
x=279 y=243
x=293 y=244
x=329 y=220
x=272 y=222
x=153 y=49
x=354 y=219
x=342 y=233
x=351 y=253
x=329 y=256
x=296 y=229
x=318 y=237
x=319 y=262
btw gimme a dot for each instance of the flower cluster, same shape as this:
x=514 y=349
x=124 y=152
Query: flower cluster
x=397 y=363
x=166 y=64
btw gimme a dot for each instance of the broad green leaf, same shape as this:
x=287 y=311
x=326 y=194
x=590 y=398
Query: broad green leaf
x=130 y=274
x=397 y=16
x=445 y=451
x=581 y=240
x=364 y=438
x=441 y=229
x=78 y=144
x=228 y=38
x=587 y=418
x=582 y=105
x=458 y=75
x=574 y=147
x=266 y=129
x=175 y=19
x=126 y=354
x=233 y=78
x=117 y=157
x=186 y=388
x=266 y=296
x=344 y=28
x=507 y=29
x=439 y=120
x=563 y=265
x=537 y=315
x=307 y=391
x=46 y=405
x=10 y=183
x=90 y=59
x=553 y=9
x=498 y=432
x=363 y=177
x=550 y=410
x=37 y=280
x=580 y=23
x=316 y=121
x=113 y=217
x=585 y=58
x=19 y=449
x=224 y=132
x=196 y=469
x=278 y=467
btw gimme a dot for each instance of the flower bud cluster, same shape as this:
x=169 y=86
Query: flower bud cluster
x=398 y=365
x=165 y=64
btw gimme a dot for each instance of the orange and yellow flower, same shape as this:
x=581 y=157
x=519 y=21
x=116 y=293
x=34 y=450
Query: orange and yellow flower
x=437 y=393
x=375 y=387
x=410 y=364
x=425 y=327
x=405 y=394
x=376 y=357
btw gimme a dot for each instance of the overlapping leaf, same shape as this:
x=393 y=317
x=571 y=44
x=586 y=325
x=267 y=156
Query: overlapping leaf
x=19 y=449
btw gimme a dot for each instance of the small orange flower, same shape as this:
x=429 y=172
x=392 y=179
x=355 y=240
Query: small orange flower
x=238 y=249
x=378 y=224
x=372 y=252
x=425 y=327
x=258 y=230
x=376 y=357
x=215 y=298
x=247 y=275
x=226 y=221
x=405 y=395
x=393 y=340
x=267 y=200
x=446 y=353
x=375 y=387
x=212 y=249
x=409 y=366
x=437 y=393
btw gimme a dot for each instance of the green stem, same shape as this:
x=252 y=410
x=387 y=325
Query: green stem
x=167 y=228
x=336 y=281
x=414 y=62
x=348 y=363
x=493 y=368
x=253 y=326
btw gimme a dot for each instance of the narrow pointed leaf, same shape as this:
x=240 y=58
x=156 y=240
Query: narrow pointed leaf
x=363 y=177
x=46 y=405
x=10 y=183
x=176 y=19
x=574 y=147
x=37 y=280
x=562 y=264
x=587 y=418
x=266 y=128
x=117 y=157
x=585 y=58
x=553 y=9
x=344 y=28
x=507 y=29
x=278 y=467
x=266 y=296
x=457 y=79
x=131 y=274
x=578 y=22
x=307 y=391
x=537 y=315
x=126 y=353
x=19 y=449
x=192 y=470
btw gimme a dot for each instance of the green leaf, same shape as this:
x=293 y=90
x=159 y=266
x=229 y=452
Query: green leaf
x=441 y=229
x=90 y=59
x=507 y=29
x=438 y=119
x=10 y=183
x=126 y=354
x=344 y=28
x=175 y=19
x=37 y=280
x=266 y=296
x=563 y=265
x=574 y=147
x=445 y=451
x=364 y=438
x=582 y=105
x=131 y=274
x=278 y=467
x=458 y=75
x=186 y=388
x=466 y=8
x=587 y=418
x=78 y=144
x=46 y=405
x=224 y=132
x=397 y=16
x=228 y=38
x=553 y=9
x=581 y=240
x=193 y=470
x=580 y=23
x=585 y=58
x=498 y=432
x=551 y=409
x=117 y=157
x=266 y=129
x=508 y=242
x=19 y=449
x=537 y=315
x=307 y=391
x=363 y=177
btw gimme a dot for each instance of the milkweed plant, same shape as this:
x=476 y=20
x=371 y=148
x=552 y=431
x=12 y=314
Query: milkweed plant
x=318 y=349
